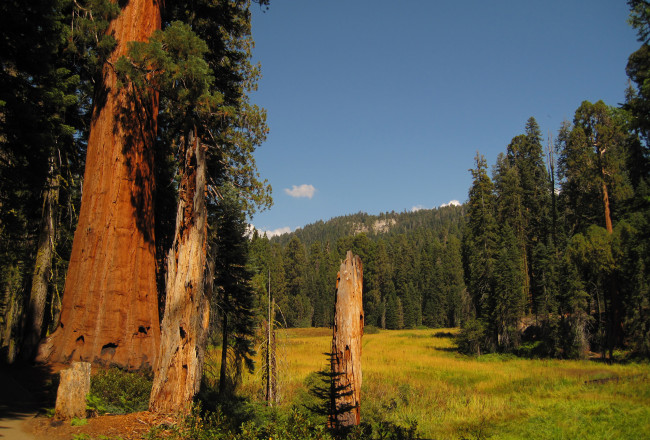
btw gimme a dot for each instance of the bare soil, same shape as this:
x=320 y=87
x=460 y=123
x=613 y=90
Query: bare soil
x=128 y=427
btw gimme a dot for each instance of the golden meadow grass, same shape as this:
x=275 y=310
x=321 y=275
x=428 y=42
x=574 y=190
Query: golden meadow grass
x=416 y=375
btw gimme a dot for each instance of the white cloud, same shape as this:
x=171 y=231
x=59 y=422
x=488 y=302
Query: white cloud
x=301 y=191
x=451 y=203
x=278 y=231
x=417 y=208
x=269 y=234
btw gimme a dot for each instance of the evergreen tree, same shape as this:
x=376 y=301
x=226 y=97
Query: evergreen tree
x=638 y=70
x=511 y=209
x=532 y=219
x=278 y=283
x=453 y=284
x=298 y=308
x=593 y=162
x=235 y=298
x=480 y=239
x=43 y=105
x=434 y=300
x=383 y=279
x=394 y=312
x=508 y=301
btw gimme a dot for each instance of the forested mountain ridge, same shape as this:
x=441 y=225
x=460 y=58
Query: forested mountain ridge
x=412 y=268
x=447 y=218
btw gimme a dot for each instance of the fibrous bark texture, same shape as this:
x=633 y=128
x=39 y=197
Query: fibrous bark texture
x=71 y=394
x=177 y=374
x=109 y=308
x=346 y=342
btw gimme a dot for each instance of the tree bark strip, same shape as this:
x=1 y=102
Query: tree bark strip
x=346 y=342
x=109 y=308
x=178 y=370
x=43 y=266
x=608 y=217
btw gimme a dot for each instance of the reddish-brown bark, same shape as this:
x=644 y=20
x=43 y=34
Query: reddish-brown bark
x=608 y=216
x=178 y=369
x=109 y=307
x=346 y=342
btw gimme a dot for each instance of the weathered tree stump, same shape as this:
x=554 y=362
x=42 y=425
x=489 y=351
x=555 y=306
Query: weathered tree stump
x=74 y=386
x=346 y=343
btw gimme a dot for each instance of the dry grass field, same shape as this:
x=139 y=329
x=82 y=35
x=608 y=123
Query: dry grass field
x=416 y=376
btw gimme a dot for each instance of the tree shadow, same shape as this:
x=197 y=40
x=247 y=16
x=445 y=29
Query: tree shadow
x=136 y=124
x=329 y=393
x=447 y=349
x=26 y=390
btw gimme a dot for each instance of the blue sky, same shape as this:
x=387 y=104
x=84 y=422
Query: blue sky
x=380 y=106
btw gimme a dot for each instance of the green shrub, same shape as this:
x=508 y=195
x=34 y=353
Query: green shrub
x=472 y=338
x=370 y=330
x=116 y=391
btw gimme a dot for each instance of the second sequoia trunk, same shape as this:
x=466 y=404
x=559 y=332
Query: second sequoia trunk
x=177 y=374
x=346 y=343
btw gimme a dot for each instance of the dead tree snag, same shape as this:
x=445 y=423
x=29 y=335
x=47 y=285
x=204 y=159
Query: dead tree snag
x=346 y=343
x=178 y=370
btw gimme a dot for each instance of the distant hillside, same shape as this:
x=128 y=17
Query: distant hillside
x=440 y=220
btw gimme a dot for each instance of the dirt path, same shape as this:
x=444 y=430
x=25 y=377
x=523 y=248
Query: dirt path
x=13 y=425
x=24 y=392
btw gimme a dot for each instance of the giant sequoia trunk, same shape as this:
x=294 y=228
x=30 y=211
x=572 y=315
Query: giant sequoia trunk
x=346 y=343
x=109 y=309
x=177 y=374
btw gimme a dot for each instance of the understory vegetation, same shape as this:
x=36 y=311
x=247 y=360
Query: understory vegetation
x=115 y=391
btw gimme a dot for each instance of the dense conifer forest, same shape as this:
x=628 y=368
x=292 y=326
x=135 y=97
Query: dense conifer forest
x=413 y=272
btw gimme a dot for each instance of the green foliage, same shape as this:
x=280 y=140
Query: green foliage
x=507 y=303
x=43 y=118
x=480 y=238
x=640 y=18
x=116 y=391
x=78 y=422
x=290 y=424
x=370 y=330
x=473 y=338
x=234 y=302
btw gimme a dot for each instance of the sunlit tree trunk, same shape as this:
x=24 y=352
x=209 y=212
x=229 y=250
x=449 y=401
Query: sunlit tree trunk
x=608 y=216
x=109 y=308
x=177 y=374
x=346 y=343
